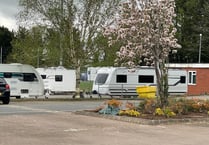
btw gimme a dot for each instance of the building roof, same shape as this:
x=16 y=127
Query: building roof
x=188 y=65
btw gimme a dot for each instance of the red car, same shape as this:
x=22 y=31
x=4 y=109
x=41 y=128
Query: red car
x=4 y=91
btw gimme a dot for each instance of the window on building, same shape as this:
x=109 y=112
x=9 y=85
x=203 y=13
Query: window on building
x=121 y=79
x=192 y=78
x=146 y=79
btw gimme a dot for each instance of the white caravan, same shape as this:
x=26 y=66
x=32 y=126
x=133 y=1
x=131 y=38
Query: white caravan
x=123 y=82
x=58 y=79
x=24 y=80
x=91 y=73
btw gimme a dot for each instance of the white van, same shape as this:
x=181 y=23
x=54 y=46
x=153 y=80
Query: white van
x=122 y=81
x=23 y=79
x=58 y=79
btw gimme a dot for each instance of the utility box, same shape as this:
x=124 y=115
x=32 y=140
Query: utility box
x=146 y=92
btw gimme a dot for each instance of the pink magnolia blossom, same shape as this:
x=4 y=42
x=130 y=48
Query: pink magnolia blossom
x=148 y=25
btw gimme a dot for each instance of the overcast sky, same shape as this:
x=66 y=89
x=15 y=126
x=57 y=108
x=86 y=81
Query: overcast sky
x=8 y=12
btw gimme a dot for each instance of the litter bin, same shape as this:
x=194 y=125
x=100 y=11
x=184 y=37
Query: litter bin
x=146 y=92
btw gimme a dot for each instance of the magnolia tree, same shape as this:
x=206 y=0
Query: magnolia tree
x=147 y=33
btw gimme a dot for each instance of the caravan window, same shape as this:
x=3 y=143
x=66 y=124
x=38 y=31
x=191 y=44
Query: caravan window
x=182 y=79
x=7 y=75
x=29 y=77
x=101 y=78
x=12 y=75
x=146 y=79
x=58 y=78
x=121 y=79
x=17 y=75
x=43 y=76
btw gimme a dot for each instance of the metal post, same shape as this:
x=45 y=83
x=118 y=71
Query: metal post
x=200 y=48
x=38 y=58
x=61 y=35
x=1 y=55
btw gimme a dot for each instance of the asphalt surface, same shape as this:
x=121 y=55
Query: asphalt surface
x=65 y=128
x=55 y=123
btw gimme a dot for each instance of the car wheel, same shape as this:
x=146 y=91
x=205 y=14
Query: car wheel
x=6 y=100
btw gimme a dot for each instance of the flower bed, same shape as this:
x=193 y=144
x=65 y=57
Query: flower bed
x=149 y=109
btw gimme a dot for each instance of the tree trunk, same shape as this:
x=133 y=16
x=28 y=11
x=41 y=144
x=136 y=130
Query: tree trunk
x=78 y=70
x=78 y=93
x=162 y=82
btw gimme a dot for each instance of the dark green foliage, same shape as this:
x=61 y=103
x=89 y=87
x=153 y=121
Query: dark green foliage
x=5 y=42
x=28 y=46
x=192 y=20
x=104 y=55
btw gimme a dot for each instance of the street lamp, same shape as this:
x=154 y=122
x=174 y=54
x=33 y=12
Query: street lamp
x=1 y=55
x=200 y=48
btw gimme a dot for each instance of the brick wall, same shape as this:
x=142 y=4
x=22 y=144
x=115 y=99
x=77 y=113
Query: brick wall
x=202 y=82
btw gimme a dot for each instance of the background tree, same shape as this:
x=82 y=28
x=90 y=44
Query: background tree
x=28 y=46
x=103 y=55
x=81 y=19
x=191 y=21
x=147 y=30
x=5 y=43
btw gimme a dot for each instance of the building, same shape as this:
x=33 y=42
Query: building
x=198 y=77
